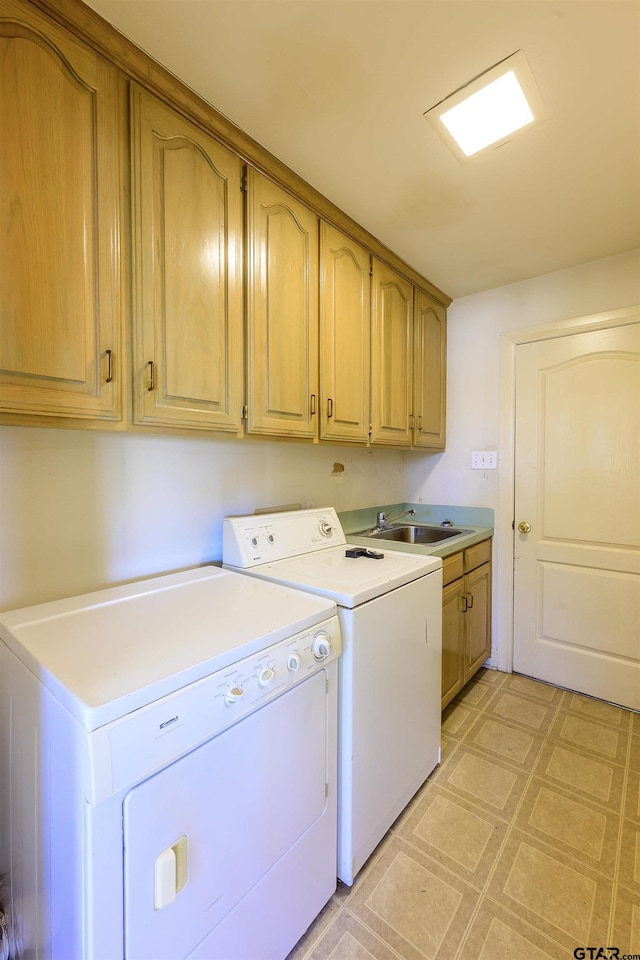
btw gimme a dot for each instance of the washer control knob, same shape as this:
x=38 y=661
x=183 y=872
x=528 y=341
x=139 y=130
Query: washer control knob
x=233 y=694
x=266 y=677
x=325 y=528
x=271 y=538
x=254 y=541
x=321 y=646
x=293 y=662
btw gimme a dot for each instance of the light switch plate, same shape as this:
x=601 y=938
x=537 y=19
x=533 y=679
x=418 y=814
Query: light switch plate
x=484 y=460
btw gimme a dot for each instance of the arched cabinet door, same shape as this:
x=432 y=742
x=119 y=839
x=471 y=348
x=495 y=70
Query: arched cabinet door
x=345 y=337
x=187 y=272
x=61 y=190
x=429 y=371
x=282 y=312
x=391 y=357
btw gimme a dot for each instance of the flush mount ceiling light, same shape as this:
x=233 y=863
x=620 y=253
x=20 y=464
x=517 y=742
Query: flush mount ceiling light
x=486 y=112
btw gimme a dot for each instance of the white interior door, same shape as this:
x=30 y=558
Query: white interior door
x=577 y=483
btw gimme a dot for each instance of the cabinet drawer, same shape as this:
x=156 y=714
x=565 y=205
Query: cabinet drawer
x=476 y=555
x=452 y=568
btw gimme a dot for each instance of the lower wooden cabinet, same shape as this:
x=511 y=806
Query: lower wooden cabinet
x=466 y=616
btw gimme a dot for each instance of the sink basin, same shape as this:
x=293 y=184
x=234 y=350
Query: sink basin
x=406 y=533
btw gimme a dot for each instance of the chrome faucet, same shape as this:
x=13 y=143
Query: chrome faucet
x=383 y=521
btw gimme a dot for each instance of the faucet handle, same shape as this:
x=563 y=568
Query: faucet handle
x=381 y=518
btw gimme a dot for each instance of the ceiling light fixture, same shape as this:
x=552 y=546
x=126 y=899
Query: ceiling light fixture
x=487 y=111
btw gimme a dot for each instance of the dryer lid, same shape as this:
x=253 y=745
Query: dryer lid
x=107 y=653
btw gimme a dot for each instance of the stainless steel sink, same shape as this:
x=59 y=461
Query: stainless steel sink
x=408 y=533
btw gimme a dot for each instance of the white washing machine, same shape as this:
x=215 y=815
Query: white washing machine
x=390 y=612
x=168 y=770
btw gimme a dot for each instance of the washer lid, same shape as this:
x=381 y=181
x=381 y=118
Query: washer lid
x=346 y=580
x=107 y=653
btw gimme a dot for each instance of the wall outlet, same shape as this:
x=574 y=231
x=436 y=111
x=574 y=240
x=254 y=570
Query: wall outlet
x=484 y=460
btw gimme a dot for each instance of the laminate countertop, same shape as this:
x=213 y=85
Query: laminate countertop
x=478 y=521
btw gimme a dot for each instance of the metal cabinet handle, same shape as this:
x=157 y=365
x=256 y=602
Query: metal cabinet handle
x=109 y=354
x=420 y=422
x=313 y=404
x=469 y=601
x=152 y=381
x=411 y=421
x=329 y=408
x=463 y=600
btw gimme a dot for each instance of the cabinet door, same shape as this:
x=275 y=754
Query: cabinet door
x=345 y=337
x=430 y=359
x=453 y=640
x=61 y=165
x=391 y=357
x=478 y=594
x=282 y=312
x=188 y=322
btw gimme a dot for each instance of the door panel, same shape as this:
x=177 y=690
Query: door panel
x=61 y=199
x=430 y=365
x=282 y=311
x=577 y=573
x=453 y=625
x=345 y=337
x=187 y=272
x=391 y=356
x=478 y=587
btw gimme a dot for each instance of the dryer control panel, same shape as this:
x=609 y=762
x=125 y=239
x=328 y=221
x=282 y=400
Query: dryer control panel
x=129 y=750
x=264 y=538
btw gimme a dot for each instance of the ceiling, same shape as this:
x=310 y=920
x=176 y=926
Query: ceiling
x=337 y=89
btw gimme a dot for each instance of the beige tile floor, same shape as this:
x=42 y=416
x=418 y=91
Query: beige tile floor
x=522 y=845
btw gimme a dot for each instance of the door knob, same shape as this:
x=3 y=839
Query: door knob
x=524 y=526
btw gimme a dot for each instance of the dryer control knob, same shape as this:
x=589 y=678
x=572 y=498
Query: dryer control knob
x=326 y=528
x=266 y=676
x=233 y=694
x=321 y=646
x=293 y=662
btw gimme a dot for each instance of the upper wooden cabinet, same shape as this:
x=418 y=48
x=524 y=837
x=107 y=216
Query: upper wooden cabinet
x=345 y=337
x=429 y=372
x=282 y=312
x=187 y=272
x=391 y=356
x=250 y=312
x=61 y=167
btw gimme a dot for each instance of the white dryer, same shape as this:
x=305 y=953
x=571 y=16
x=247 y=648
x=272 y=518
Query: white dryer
x=390 y=612
x=168 y=770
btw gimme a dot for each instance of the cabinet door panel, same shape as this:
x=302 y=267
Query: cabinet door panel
x=282 y=307
x=453 y=637
x=187 y=277
x=391 y=357
x=345 y=337
x=429 y=372
x=61 y=197
x=478 y=589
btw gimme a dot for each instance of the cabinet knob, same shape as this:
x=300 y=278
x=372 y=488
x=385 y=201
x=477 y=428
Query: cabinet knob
x=524 y=526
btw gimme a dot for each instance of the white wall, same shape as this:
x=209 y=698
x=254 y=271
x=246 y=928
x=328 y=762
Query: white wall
x=474 y=329
x=81 y=510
